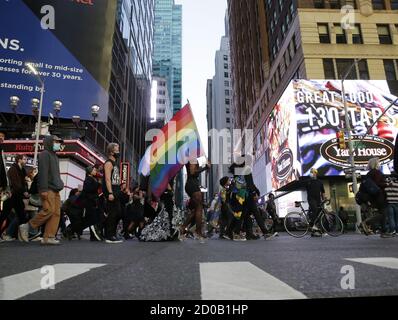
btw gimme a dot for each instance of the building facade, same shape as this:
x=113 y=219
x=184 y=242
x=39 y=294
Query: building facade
x=164 y=110
x=167 y=54
x=305 y=39
x=220 y=120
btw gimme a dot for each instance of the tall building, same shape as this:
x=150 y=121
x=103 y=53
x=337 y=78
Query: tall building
x=273 y=42
x=130 y=88
x=220 y=115
x=164 y=110
x=167 y=54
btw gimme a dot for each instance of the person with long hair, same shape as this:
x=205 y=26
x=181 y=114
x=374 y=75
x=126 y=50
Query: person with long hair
x=192 y=188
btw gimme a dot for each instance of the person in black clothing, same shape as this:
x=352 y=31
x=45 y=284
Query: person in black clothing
x=89 y=198
x=344 y=218
x=3 y=172
x=167 y=198
x=192 y=188
x=16 y=177
x=135 y=219
x=379 y=201
x=226 y=214
x=111 y=190
x=315 y=196
x=271 y=212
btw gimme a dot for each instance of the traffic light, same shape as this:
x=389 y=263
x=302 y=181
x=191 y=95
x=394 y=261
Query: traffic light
x=341 y=139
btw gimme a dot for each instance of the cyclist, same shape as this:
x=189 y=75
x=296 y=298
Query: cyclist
x=315 y=196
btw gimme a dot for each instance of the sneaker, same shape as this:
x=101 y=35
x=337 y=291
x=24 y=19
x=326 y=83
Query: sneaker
x=113 y=240
x=7 y=238
x=35 y=236
x=50 y=242
x=238 y=237
x=365 y=228
x=316 y=234
x=36 y=239
x=386 y=235
x=226 y=237
x=96 y=232
x=23 y=232
x=199 y=237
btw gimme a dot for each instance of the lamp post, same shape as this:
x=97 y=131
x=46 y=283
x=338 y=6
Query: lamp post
x=14 y=101
x=38 y=128
x=350 y=144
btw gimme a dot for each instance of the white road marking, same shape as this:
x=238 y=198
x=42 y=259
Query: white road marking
x=242 y=281
x=391 y=263
x=21 y=284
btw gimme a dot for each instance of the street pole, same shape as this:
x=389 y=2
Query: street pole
x=38 y=128
x=351 y=147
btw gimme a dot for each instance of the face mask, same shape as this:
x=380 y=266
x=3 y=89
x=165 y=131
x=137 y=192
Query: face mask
x=312 y=175
x=116 y=155
x=56 y=147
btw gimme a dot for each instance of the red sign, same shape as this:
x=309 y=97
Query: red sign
x=72 y=148
x=125 y=173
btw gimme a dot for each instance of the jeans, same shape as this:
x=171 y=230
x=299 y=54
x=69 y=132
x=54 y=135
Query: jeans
x=392 y=215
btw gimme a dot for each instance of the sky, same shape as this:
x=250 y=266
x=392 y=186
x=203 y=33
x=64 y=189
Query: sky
x=203 y=27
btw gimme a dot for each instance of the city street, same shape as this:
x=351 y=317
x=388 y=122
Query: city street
x=281 y=268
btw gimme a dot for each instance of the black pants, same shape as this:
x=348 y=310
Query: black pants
x=16 y=203
x=114 y=212
x=253 y=210
x=314 y=210
x=226 y=218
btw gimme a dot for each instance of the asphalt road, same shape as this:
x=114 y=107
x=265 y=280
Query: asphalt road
x=281 y=268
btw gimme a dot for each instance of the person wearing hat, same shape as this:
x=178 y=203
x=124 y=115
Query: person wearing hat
x=50 y=184
x=315 y=196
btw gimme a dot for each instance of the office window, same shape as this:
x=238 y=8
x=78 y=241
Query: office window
x=363 y=70
x=227 y=102
x=357 y=34
x=319 y=4
x=225 y=58
x=389 y=69
x=225 y=65
x=335 y=4
x=228 y=120
x=323 y=30
x=227 y=93
x=394 y=4
x=342 y=67
x=378 y=4
x=384 y=34
x=340 y=34
x=226 y=75
x=328 y=69
x=226 y=83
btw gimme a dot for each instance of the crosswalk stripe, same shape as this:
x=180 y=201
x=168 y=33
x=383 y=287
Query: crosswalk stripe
x=21 y=284
x=385 y=262
x=242 y=281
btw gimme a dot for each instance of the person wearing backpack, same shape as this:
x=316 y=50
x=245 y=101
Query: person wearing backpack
x=374 y=186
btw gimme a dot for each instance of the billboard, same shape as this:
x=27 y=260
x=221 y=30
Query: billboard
x=301 y=129
x=70 y=44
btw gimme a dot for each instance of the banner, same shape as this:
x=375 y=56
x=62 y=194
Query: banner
x=300 y=132
x=70 y=44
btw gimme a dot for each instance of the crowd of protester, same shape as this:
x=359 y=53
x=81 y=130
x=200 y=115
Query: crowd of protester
x=113 y=212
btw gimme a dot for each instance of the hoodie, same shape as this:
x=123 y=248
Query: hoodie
x=49 y=175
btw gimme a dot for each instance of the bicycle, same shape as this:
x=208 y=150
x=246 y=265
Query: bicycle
x=296 y=223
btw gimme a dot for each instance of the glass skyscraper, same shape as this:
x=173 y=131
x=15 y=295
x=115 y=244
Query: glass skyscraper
x=167 y=53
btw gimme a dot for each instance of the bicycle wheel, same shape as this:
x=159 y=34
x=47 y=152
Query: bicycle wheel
x=332 y=224
x=296 y=224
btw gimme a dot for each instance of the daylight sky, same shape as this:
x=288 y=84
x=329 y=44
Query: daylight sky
x=203 y=27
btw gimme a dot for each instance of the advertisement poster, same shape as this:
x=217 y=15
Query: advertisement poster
x=70 y=45
x=320 y=115
x=301 y=129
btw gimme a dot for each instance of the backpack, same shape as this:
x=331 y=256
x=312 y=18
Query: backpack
x=370 y=187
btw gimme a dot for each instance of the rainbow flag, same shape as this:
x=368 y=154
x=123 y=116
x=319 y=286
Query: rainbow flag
x=176 y=144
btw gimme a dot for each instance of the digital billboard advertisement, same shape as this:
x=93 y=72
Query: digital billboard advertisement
x=69 y=42
x=300 y=132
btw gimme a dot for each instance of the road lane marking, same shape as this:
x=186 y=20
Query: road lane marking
x=385 y=262
x=242 y=281
x=25 y=283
